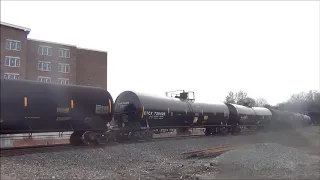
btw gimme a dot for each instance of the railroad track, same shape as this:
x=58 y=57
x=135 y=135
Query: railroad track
x=17 y=151
x=209 y=152
x=6 y=152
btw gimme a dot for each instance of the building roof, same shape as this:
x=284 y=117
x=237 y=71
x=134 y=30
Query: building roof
x=28 y=30
x=15 y=26
x=51 y=42
x=81 y=48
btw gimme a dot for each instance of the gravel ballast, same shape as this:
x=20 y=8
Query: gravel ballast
x=271 y=156
x=268 y=160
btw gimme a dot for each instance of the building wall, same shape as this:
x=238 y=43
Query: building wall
x=87 y=67
x=17 y=35
x=34 y=58
x=92 y=68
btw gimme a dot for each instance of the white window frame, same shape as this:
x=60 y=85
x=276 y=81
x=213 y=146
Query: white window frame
x=65 y=80
x=12 y=74
x=16 y=61
x=11 y=41
x=40 y=79
x=65 y=53
x=42 y=69
x=41 y=51
x=64 y=69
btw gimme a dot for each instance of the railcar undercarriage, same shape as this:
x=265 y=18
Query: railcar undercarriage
x=138 y=133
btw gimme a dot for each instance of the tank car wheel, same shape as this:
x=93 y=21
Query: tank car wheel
x=148 y=135
x=207 y=132
x=107 y=136
x=236 y=130
x=75 y=139
x=88 y=138
x=135 y=136
x=223 y=131
x=214 y=131
x=101 y=140
x=121 y=137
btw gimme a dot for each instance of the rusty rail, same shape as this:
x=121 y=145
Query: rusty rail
x=33 y=150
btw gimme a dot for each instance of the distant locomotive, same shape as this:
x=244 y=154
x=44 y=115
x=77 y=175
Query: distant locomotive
x=33 y=107
x=30 y=107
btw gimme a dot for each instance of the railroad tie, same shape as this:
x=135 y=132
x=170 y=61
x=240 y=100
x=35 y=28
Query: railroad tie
x=209 y=152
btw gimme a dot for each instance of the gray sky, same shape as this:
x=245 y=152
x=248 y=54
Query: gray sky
x=269 y=49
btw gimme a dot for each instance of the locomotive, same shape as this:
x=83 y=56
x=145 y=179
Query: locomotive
x=93 y=116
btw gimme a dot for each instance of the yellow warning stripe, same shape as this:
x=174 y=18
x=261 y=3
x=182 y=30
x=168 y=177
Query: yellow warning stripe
x=72 y=103
x=25 y=101
x=142 y=112
x=110 y=106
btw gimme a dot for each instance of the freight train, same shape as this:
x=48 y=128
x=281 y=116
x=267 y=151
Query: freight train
x=94 y=117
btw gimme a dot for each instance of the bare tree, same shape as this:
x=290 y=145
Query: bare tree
x=248 y=101
x=241 y=98
x=230 y=98
x=302 y=102
x=261 y=102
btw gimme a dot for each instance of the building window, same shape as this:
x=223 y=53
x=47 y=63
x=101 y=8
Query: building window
x=44 y=66
x=13 y=45
x=11 y=76
x=65 y=53
x=44 y=79
x=12 y=61
x=45 y=50
x=64 y=68
x=63 y=80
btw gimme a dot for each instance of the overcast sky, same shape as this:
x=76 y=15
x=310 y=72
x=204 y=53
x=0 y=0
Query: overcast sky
x=269 y=49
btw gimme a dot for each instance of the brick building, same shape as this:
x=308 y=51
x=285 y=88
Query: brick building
x=49 y=62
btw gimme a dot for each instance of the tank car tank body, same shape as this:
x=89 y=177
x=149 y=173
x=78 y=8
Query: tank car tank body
x=307 y=120
x=241 y=115
x=135 y=111
x=297 y=120
x=214 y=117
x=315 y=117
x=29 y=107
x=280 y=119
x=263 y=116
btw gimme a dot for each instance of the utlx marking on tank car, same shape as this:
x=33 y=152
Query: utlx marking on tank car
x=63 y=110
x=154 y=114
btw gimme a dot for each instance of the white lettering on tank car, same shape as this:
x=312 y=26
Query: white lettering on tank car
x=244 y=117
x=101 y=109
x=154 y=114
x=88 y=119
x=63 y=118
x=122 y=104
